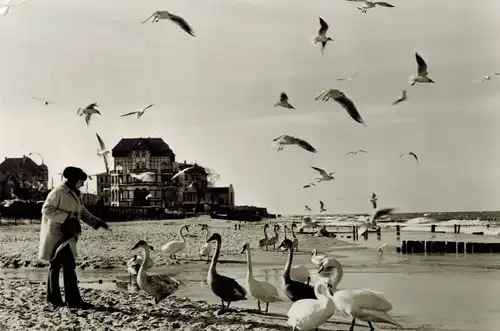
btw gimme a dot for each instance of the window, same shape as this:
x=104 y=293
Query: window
x=101 y=180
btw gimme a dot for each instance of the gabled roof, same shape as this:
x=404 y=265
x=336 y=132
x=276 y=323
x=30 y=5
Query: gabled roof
x=19 y=165
x=156 y=146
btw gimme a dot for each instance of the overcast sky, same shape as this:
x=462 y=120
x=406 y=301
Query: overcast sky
x=214 y=95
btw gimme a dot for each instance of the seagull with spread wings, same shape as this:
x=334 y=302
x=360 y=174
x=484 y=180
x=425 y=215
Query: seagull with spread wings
x=321 y=37
x=88 y=111
x=308 y=185
x=411 y=154
x=103 y=152
x=348 y=78
x=401 y=98
x=371 y=221
x=374 y=200
x=165 y=15
x=182 y=172
x=138 y=112
x=321 y=206
x=147 y=177
x=421 y=76
x=325 y=176
x=7 y=4
x=344 y=101
x=487 y=77
x=307 y=208
x=371 y=4
x=356 y=152
x=284 y=102
x=289 y=140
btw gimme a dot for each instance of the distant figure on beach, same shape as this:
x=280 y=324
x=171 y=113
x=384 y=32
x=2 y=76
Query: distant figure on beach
x=59 y=231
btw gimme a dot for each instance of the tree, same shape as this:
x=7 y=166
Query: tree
x=212 y=177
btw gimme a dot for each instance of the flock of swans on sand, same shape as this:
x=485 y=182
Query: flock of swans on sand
x=312 y=305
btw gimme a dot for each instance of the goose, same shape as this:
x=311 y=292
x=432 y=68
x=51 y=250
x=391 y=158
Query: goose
x=227 y=289
x=295 y=290
x=295 y=240
x=263 y=240
x=260 y=290
x=134 y=264
x=274 y=239
x=308 y=314
x=206 y=248
x=315 y=258
x=158 y=286
x=371 y=222
x=366 y=305
x=175 y=246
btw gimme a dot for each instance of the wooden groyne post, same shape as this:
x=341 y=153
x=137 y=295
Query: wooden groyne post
x=448 y=247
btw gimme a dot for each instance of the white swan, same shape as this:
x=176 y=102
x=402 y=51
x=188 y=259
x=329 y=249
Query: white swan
x=366 y=305
x=134 y=264
x=158 y=286
x=206 y=248
x=260 y=290
x=307 y=314
x=315 y=258
x=175 y=246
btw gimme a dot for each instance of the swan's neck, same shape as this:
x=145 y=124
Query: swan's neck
x=143 y=267
x=206 y=237
x=180 y=234
x=285 y=233
x=288 y=264
x=338 y=276
x=249 y=265
x=293 y=234
x=275 y=232
x=213 y=270
x=265 y=232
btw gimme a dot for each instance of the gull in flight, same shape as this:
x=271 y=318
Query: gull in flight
x=4 y=10
x=284 y=101
x=356 y=152
x=373 y=200
x=411 y=154
x=103 y=152
x=401 y=98
x=371 y=221
x=325 y=176
x=138 y=112
x=149 y=196
x=147 y=176
x=45 y=102
x=344 y=101
x=309 y=185
x=289 y=140
x=421 y=76
x=381 y=248
x=165 y=15
x=321 y=206
x=182 y=172
x=487 y=77
x=322 y=38
x=371 y=4
x=307 y=208
x=88 y=111
x=348 y=78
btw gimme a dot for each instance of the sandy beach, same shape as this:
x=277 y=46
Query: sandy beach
x=423 y=289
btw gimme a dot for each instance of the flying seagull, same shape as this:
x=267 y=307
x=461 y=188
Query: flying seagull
x=381 y=248
x=348 y=78
x=344 y=101
x=147 y=176
x=45 y=102
x=289 y=140
x=4 y=10
x=103 y=152
x=325 y=176
x=182 y=172
x=374 y=200
x=138 y=112
x=307 y=208
x=165 y=15
x=412 y=154
x=308 y=185
x=284 y=101
x=401 y=98
x=356 y=152
x=88 y=111
x=421 y=76
x=371 y=221
x=321 y=206
x=485 y=78
x=321 y=37
x=371 y=4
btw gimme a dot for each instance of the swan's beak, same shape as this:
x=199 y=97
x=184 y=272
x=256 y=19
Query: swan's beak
x=320 y=268
x=135 y=247
x=151 y=248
